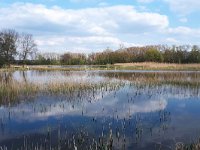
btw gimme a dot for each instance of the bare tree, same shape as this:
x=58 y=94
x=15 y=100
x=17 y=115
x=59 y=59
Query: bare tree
x=121 y=47
x=27 y=47
x=1 y=38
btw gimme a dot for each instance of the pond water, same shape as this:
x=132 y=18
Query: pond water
x=136 y=110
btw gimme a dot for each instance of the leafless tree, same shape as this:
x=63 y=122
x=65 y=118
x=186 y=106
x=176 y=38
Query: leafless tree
x=27 y=47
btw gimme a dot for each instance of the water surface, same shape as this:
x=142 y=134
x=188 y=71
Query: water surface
x=136 y=110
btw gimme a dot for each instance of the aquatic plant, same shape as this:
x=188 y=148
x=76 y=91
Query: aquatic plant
x=12 y=90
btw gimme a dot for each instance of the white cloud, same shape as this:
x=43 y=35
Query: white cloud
x=183 y=20
x=93 y=29
x=182 y=30
x=78 y=1
x=172 y=40
x=145 y=1
x=184 y=7
x=181 y=35
x=82 y=44
x=87 y=28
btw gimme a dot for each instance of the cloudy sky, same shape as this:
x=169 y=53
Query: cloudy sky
x=93 y=25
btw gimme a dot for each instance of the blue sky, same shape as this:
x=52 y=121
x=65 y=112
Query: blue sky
x=93 y=25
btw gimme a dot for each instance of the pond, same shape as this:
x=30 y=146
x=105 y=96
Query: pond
x=141 y=110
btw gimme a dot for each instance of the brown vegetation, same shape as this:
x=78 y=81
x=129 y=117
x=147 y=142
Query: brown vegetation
x=158 y=66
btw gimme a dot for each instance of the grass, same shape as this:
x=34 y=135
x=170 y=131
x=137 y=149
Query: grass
x=187 y=79
x=58 y=68
x=12 y=91
x=192 y=146
x=117 y=66
x=157 y=66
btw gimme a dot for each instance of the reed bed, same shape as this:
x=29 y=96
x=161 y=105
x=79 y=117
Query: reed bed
x=191 y=146
x=190 y=79
x=14 y=91
x=157 y=66
x=117 y=66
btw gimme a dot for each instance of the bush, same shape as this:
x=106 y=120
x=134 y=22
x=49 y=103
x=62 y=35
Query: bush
x=153 y=55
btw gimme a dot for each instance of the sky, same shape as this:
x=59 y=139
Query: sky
x=94 y=25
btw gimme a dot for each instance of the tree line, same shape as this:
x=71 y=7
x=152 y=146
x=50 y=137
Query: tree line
x=18 y=48
x=157 y=53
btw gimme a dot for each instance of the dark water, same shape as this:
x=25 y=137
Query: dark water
x=143 y=111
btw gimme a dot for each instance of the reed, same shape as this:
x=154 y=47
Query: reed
x=12 y=91
x=157 y=66
x=188 y=79
x=191 y=146
x=15 y=90
x=117 y=66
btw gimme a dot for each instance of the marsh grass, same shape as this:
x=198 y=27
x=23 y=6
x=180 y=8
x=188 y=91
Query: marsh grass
x=68 y=67
x=190 y=79
x=13 y=91
x=117 y=66
x=191 y=146
x=157 y=66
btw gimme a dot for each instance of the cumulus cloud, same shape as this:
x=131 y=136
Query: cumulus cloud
x=182 y=30
x=82 y=44
x=91 y=29
x=101 y=26
x=182 y=35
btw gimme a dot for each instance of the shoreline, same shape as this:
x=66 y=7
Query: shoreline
x=119 y=66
